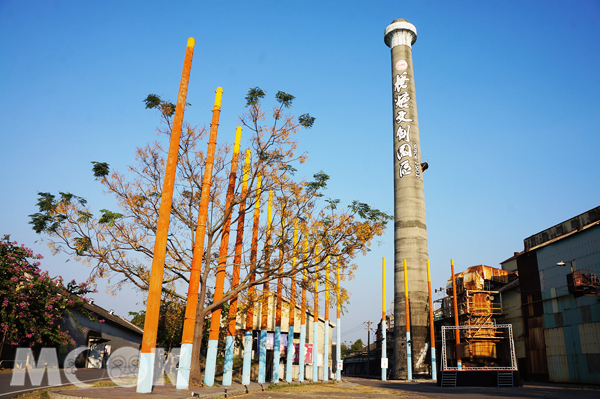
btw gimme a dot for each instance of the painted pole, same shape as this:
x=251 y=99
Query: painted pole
x=383 y=325
x=457 y=333
x=189 y=323
x=235 y=279
x=147 y=354
x=279 y=303
x=316 y=321
x=302 y=345
x=410 y=231
x=247 y=366
x=215 y=320
x=338 y=346
x=292 y=320
x=408 y=340
x=326 y=343
x=264 y=312
x=431 y=327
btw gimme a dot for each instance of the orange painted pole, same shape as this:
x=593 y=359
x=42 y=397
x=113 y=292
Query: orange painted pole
x=457 y=331
x=253 y=252
x=277 y=343
x=237 y=260
x=146 y=361
x=189 y=323
x=327 y=288
x=264 y=312
x=290 y=343
x=250 y=309
x=293 y=278
x=326 y=335
x=316 y=311
x=383 y=324
x=408 y=340
x=215 y=321
x=235 y=279
x=338 y=346
x=431 y=326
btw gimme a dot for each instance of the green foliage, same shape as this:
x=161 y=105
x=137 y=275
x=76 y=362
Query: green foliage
x=332 y=203
x=357 y=345
x=166 y=108
x=284 y=99
x=109 y=217
x=368 y=213
x=319 y=183
x=170 y=322
x=254 y=96
x=49 y=218
x=33 y=303
x=100 y=169
x=152 y=101
x=306 y=120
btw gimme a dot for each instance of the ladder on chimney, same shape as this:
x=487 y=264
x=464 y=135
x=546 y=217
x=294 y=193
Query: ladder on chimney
x=449 y=379
x=505 y=379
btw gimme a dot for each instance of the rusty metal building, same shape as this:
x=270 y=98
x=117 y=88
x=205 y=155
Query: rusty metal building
x=555 y=309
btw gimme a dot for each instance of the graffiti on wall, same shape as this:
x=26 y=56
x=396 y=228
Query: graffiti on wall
x=407 y=153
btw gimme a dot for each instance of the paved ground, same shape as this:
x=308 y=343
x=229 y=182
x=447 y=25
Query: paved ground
x=11 y=391
x=352 y=387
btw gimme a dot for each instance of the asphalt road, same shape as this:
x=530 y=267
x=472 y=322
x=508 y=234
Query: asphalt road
x=424 y=389
x=83 y=375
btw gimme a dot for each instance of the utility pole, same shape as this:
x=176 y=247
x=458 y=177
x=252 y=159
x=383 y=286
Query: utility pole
x=368 y=345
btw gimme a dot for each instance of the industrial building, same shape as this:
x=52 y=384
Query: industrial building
x=555 y=309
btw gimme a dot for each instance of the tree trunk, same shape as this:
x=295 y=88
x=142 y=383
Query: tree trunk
x=2 y=343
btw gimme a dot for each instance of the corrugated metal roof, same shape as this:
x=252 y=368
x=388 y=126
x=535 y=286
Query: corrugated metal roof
x=105 y=314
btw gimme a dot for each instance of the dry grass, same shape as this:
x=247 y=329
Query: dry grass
x=332 y=387
x=43 y=393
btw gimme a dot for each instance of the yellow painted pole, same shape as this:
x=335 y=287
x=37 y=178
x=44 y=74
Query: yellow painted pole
x=316 y=311
x=262 y=357
x=383 y=324
x=292 y=312
x=215 y=321
x=280 y=279
x=431 y=326
x=146 y=369
x=304 y=282
x=302 y=345
x=316 y=319
x=338 y=346
x=327 y=288
x=408 y=340
x=293 y=279
x=265 y=303
x=457 y=332
x=383 y=310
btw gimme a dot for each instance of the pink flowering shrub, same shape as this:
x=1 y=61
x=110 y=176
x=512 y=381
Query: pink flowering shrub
x=33 y=303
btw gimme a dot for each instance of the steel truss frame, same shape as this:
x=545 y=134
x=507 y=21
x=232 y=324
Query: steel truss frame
x=513 y=358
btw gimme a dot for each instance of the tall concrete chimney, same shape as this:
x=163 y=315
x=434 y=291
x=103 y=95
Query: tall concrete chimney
x=410 y=230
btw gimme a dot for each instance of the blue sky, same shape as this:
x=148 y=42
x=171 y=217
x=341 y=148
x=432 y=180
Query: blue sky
x=507 y=95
